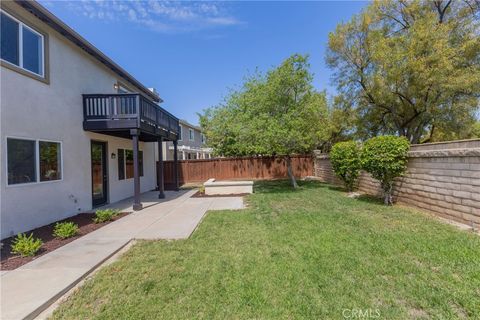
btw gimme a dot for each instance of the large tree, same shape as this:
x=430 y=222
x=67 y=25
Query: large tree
x=277 y=113
x=410 y=68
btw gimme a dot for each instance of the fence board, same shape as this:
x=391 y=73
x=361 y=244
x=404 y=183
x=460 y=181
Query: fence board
x=253 y=168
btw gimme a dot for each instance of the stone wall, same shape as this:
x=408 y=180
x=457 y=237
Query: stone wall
x=443 y=178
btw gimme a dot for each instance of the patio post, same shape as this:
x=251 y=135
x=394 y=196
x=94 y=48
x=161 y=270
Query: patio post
x=161 y=188
x=175 y=164
x=137 y=205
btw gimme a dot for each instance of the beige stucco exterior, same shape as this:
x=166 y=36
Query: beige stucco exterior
x=34 y=109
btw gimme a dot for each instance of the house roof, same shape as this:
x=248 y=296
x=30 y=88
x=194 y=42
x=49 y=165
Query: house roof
x=187 y=124
x=50 y=19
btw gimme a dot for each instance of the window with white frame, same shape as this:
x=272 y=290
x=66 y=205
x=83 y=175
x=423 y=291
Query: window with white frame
x=180 y=132
x=21 y=45
x=191 y=135
x=203 y=138
x=30 y=161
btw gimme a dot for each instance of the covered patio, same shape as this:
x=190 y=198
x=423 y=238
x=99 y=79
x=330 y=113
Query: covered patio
x=136 y=117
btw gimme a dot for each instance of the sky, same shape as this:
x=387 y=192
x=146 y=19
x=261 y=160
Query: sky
x=193 y=53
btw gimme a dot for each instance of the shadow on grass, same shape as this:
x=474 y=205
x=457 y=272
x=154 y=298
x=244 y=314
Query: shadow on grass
x=370 y=199
x=337 y=188
x=284 y=186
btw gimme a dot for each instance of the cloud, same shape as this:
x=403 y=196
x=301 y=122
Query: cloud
x=159 y=16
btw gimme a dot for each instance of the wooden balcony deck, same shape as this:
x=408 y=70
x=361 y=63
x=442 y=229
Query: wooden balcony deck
x=118 y=114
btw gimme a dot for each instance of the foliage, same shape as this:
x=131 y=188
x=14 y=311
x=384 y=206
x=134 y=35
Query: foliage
x=340 y=123
x=345 y=159
x=26 y=246
x=410 y=68
x=385 y=158
x=277 y=113
x=105 y=215
x=65 y=230
x=293 y=255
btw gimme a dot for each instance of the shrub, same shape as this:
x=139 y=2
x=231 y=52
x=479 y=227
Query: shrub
x=105 y=215
x=345 y=159
x=64 y=230
x=385 y=158
x=26 y=246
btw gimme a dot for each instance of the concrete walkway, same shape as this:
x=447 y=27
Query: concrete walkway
x=28 y=290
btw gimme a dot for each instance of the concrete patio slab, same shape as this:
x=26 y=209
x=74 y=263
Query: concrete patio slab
x=30 y=289
x=227 y=203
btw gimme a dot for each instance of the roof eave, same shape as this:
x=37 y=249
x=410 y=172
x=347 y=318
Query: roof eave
x=50 y=19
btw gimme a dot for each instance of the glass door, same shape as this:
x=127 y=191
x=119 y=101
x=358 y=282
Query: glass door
x=99 y=173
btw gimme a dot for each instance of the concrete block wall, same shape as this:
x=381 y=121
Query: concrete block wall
x=443 y=178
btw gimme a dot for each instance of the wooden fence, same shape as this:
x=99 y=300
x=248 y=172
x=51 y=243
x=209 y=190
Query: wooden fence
x=252 y=168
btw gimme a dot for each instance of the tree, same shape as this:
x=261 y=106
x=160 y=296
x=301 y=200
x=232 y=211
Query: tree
x=277 y=113
x=345 y=159
x=340 y=123
x=385 y=158
x=410 y=68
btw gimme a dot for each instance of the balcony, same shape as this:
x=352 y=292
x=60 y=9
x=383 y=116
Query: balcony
x=118 y=114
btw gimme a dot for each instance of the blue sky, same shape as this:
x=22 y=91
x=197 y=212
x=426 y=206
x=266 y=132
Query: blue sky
x=193 y=52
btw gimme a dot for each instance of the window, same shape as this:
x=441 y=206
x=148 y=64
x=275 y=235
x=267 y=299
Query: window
x=180 y=133
x=30 y=161
x=122 y=89
x=21 y=45
x=125 y=164
x=191 y=135
x=50 y=160
x=203 y=138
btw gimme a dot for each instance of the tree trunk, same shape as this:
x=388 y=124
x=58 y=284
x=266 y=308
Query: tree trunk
x=387 y=193
x=290 y=172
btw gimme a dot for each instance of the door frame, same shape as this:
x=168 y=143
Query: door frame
x=104 y=144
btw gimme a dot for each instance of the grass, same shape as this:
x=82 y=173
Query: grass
x=310 y=253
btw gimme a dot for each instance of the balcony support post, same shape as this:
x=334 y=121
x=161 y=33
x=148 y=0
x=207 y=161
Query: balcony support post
x=175 y=164
x=137 y=205
x=161 y=187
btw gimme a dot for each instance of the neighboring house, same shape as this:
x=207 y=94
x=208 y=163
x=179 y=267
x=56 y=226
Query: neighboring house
x=77 y=131
x=191 y=144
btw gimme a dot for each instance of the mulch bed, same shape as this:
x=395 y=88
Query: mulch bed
x=85 y=224
x=200 y=194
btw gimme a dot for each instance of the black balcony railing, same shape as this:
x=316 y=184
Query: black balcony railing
x=127 y=111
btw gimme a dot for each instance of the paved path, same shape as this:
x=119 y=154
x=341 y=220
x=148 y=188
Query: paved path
x=28 y=290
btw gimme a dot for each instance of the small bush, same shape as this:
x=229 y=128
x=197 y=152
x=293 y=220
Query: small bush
x=105 y=215
x=345 y=159
x=385 y=158
x=26 y=246
x=64 y=230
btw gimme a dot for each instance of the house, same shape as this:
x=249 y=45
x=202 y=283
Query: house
x=191 y=144
x=77 y=130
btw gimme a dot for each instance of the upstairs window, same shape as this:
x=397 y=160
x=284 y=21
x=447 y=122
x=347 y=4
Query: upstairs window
x=191 y=135
x=21 y=45
x=180 y=133
x=203 y=138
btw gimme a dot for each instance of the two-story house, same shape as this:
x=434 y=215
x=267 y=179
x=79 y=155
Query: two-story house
x=191 y=144
x=77 y=130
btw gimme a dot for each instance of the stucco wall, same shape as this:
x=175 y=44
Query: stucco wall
x=443 y=178
x=35 y=110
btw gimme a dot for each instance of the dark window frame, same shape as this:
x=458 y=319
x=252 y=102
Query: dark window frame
x=122 y=163
x=37 y=163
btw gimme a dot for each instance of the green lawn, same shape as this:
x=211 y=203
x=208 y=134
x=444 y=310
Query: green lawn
x=311 y=253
